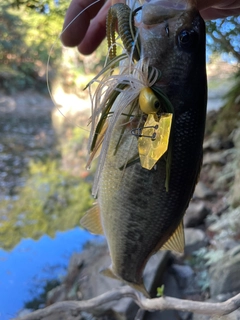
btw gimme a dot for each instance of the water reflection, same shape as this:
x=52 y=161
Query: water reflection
x=51 y=200
x=25 y=270
x=44 y=186
x=44 y=191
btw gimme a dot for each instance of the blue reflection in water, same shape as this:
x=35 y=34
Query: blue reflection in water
x=33 y=260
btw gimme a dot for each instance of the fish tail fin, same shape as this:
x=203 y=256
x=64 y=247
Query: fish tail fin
x=140 y=287
x=137 y=286
x=109 y=273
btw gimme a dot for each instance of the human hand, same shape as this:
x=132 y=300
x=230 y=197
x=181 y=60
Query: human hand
x=214 y=9
x=89 y=29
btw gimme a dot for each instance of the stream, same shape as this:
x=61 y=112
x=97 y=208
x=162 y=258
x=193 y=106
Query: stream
x=36 y=245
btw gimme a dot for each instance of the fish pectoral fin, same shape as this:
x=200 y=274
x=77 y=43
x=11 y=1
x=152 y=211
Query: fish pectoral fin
x=176 y=242
x=141 y=288
x=92 y=220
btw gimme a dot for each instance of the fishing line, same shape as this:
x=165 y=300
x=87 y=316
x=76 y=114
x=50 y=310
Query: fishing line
x=49 y=58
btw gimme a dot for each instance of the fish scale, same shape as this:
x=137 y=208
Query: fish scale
x=137 y=214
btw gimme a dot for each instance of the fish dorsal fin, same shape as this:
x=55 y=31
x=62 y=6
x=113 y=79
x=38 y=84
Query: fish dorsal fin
x=176 y=242
x=92 y=220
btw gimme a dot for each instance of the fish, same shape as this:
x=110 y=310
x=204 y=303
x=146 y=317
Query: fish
x=140 y=210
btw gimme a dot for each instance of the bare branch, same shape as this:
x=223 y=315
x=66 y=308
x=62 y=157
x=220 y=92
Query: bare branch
x=162 y=303
x=225 y=43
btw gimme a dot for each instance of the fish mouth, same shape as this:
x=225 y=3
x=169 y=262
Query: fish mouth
x=175 y=4
x=157 y=11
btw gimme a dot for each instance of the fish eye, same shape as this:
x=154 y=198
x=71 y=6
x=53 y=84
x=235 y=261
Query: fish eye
x=187 y=39
x=156 y=104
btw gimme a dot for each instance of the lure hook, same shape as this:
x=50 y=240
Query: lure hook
x=137 y=132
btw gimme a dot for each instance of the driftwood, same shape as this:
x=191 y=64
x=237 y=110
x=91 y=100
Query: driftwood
x=163 y=303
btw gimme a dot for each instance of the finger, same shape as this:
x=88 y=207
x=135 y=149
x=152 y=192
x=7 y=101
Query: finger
x=219 y=4
x=96 y=32
x=228 y=4
x=215 y=13
x=75 y=30
x=214 y=9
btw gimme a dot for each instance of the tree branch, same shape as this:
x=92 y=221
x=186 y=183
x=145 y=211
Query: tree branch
x=225 y=43
x=162 y=303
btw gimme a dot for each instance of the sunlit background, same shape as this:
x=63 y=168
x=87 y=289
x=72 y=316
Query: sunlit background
x=44 y=185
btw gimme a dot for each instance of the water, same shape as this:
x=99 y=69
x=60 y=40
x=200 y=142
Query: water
x=25 y=269
x=40 y=194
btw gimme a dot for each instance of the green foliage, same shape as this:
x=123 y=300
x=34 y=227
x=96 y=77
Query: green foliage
x=208 y=256
x=223 y=35
x=226 y=226
x=51 y=200
x=213 y=256
x=198 y=263
x=229 y=116
x=160 y=291
x=41 y=299
x=26 y=39
x=41 y=6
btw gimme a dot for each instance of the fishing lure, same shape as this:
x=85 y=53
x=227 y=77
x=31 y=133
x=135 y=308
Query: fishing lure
x=123 y=15
x=132 y=89
x=157 y=127
x=151 y=150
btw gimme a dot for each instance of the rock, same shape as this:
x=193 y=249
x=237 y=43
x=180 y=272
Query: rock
x=195 y=214
x=175 y=279
x=200 y=317
x=185 y=315
x=154 y=276
x=215 y=143
x=85 y=269
x=24 y=312
x=184 y=275
x=232 y=316
x=227 y=226
x=56 y=294
x=212 y=118
x=84 y=282
x=215 y=158
x=170 y=289
x=226 y=243
x=234 y=195
x=92 y=283
x=212 y=144
x=223 y=297
x=224 y=275
x=194 y=240
x=235 y=198
x=203 y=192
x=236 y=138
x=154 y=270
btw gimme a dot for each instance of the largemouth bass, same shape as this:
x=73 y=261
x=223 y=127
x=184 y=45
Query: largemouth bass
x=140 y=210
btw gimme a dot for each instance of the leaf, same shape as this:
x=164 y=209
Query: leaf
x=160 y=291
